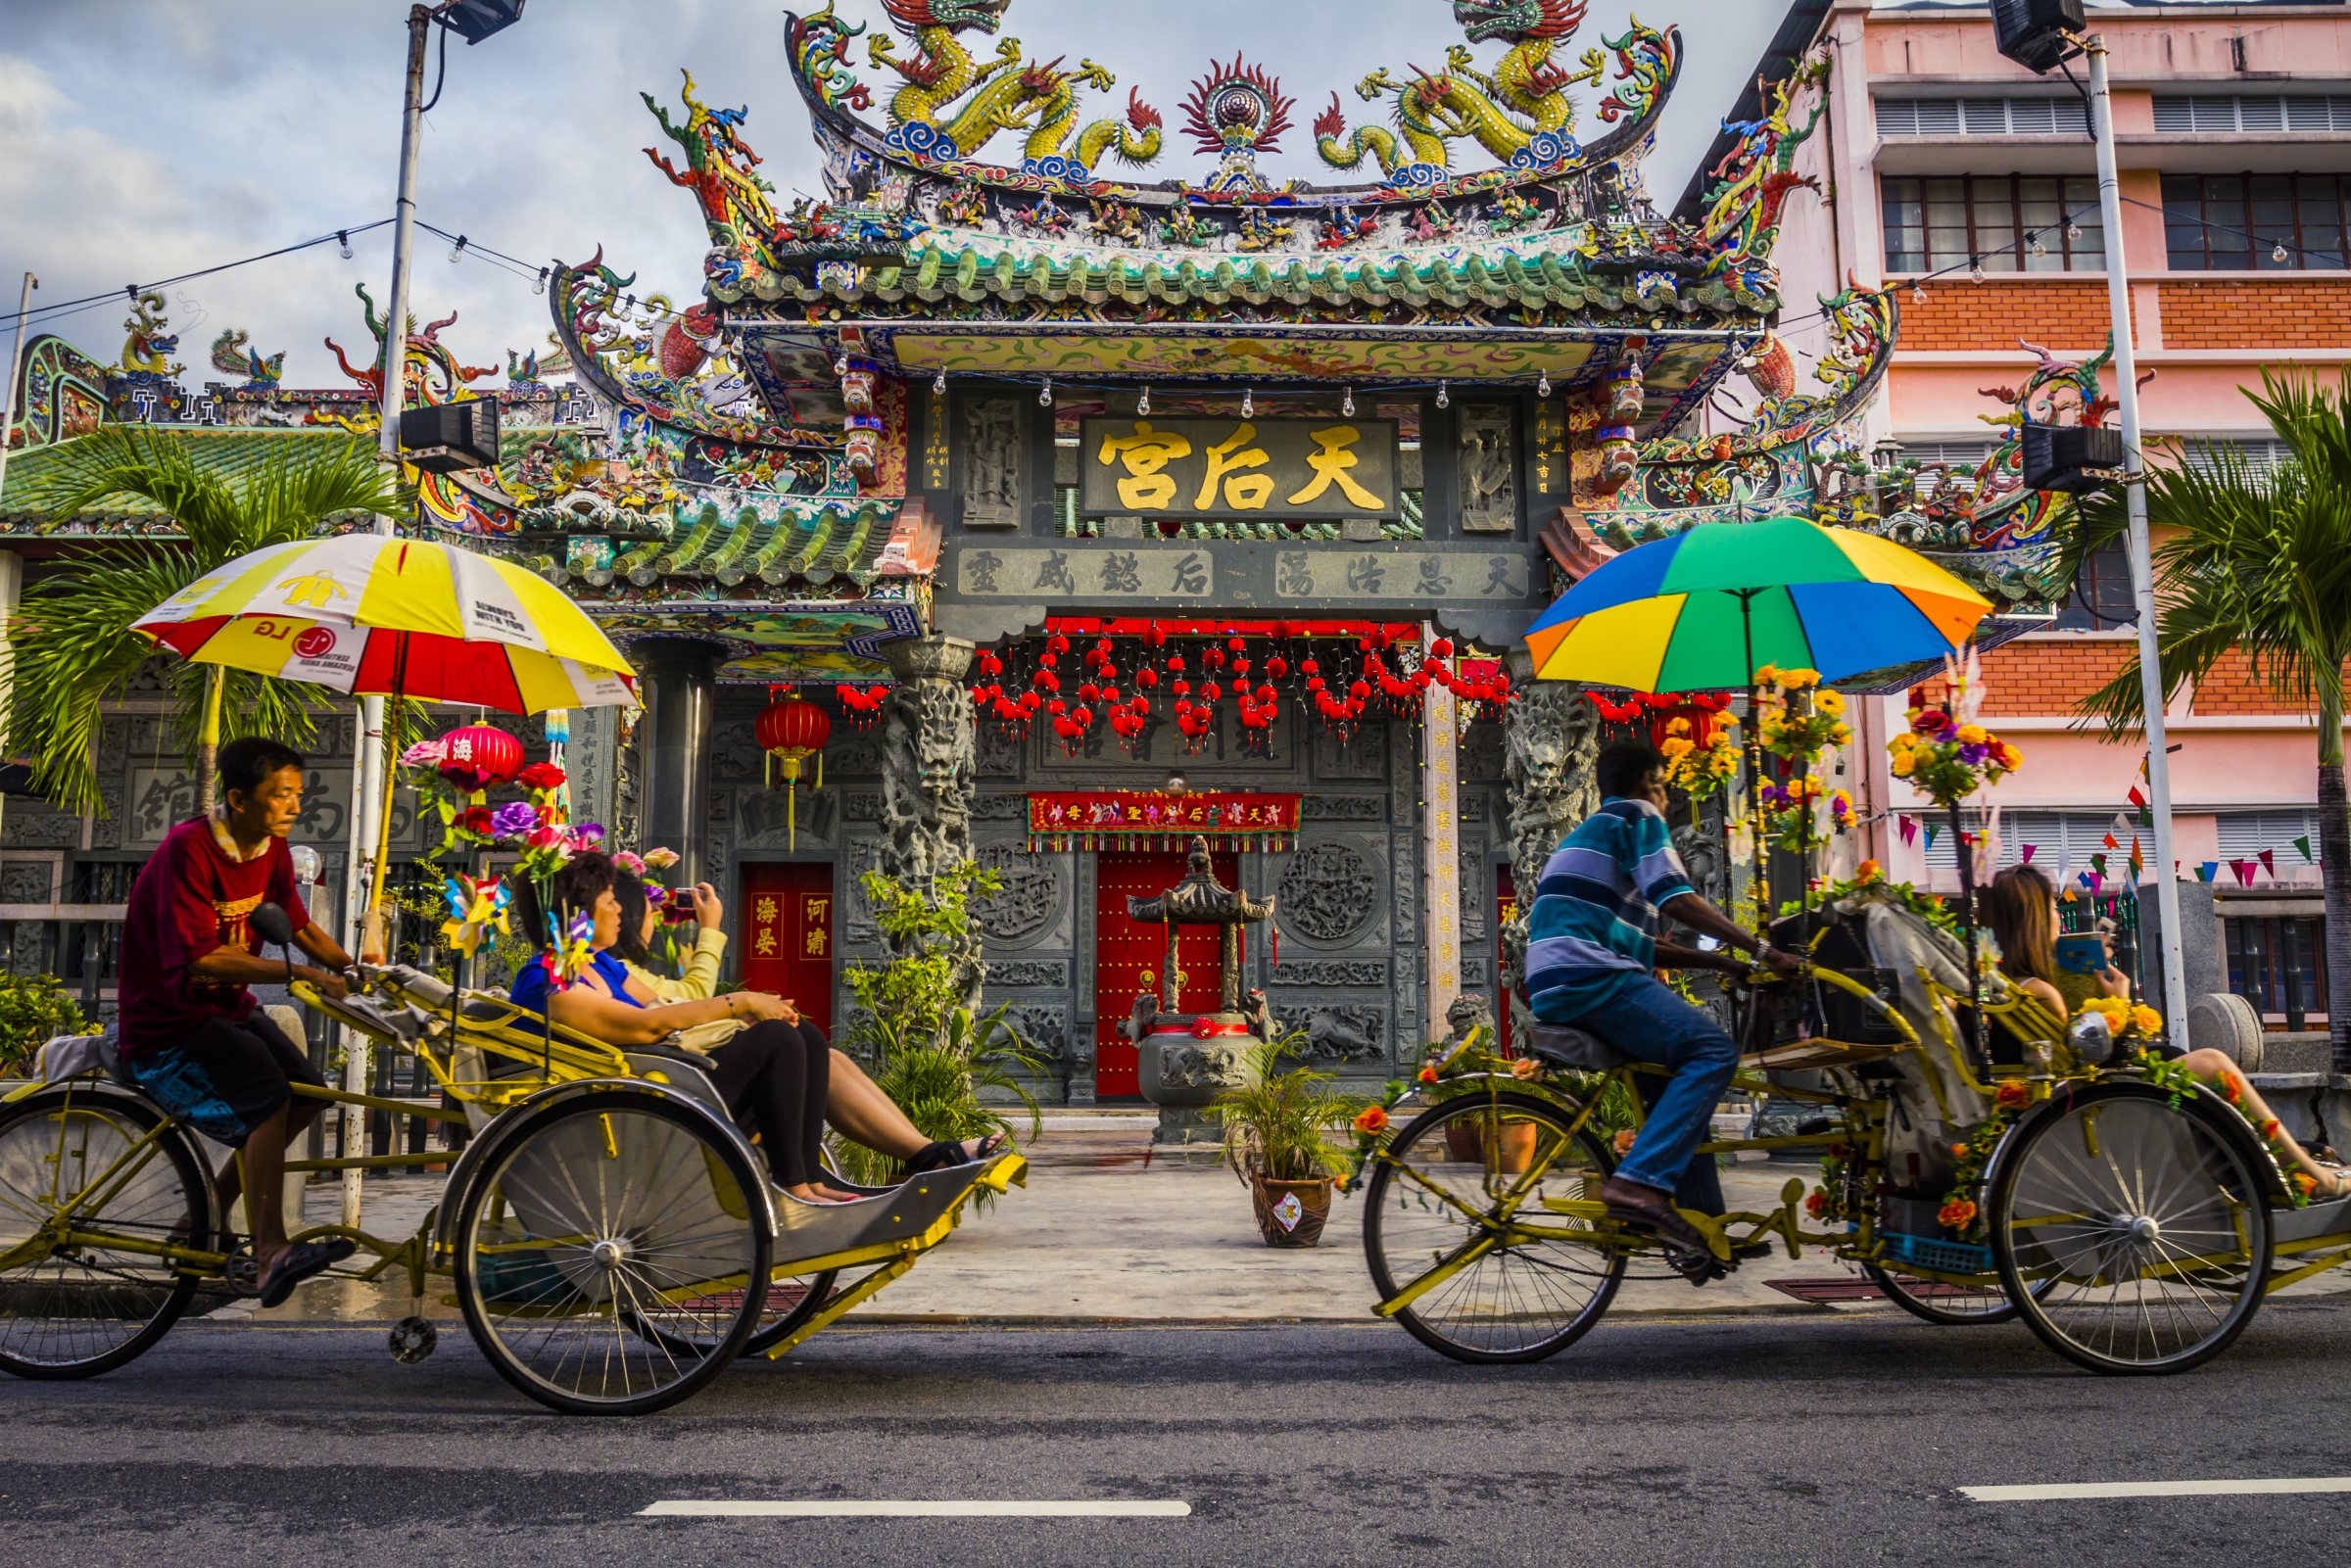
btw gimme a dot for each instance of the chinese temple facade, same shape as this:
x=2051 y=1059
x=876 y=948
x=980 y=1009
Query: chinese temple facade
x=1090 y=514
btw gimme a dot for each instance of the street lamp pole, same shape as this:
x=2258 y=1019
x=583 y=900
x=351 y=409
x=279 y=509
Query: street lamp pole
x=2143 y=568
x=370 y=782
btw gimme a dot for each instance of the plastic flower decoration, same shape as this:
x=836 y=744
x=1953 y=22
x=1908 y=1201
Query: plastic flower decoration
x=515 y=818
x=569 y=958
x=424 y=754
x=475 y=908
x=1791 y=719
x=630 y=861
x=1792 y=816
x=660 y=859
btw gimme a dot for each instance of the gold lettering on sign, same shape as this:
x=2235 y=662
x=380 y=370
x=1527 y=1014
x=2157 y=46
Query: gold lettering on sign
x=1333 y=463
x=1144 y=455
x=1244 y=493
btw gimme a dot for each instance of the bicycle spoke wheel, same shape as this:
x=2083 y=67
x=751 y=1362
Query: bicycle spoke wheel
x=75 y=1308
x=1953 y=1302
x=791 y=1300
x=612 y=1257
x=1465 y=1190
x=2133 y=1237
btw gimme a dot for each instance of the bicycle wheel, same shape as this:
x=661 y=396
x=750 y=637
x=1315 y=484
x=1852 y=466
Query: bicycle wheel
x=607 y=1232
x=791 y=1300
x=1953 y=1302
x=1459 y=1176
x=77 y=1310
x=2135 y=1238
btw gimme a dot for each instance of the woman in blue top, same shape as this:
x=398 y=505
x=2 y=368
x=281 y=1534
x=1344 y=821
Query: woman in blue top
x=766 y=1074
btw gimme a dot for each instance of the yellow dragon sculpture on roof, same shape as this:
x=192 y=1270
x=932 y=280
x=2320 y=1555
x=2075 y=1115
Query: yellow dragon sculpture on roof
x=952 y=103
x=1504 y=112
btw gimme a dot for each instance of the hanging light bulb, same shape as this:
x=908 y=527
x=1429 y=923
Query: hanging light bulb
x=456 y=252
x=1045 y=399
x=343 y=236
x=938 y=384
x=1249 y=403
x=1444 y=393
x=1543 y=385
x=840 y=367
x=2279 y=254
x=2037 y=249
x=1918 y=294
x=540 y=286
x=1974 y=269
x=1142 y=405
x=2073 y=233
x=1347 y=404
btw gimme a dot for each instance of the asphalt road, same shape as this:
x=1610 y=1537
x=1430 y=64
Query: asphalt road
x=1755 y=1440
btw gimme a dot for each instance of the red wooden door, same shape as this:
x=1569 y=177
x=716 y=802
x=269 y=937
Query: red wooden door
x=1131 y=957
x=787 y=926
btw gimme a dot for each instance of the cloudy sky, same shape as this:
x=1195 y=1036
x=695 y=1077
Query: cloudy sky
x=143 y=138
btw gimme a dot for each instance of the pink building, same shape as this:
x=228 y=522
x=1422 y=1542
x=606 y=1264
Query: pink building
x=2234 y=129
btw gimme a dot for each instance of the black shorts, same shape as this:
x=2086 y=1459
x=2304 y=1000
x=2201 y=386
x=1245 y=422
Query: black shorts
x=226 y=1078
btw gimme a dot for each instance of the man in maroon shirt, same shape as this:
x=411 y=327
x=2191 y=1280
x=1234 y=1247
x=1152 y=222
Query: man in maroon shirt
x=192 y=1038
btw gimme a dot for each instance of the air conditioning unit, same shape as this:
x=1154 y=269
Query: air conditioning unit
x=2060 y=457
x=451 y=436
x=2032 y=32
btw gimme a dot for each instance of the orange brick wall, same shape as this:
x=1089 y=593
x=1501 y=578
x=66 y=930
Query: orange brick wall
x=2298 y=312
x=2046 y=679
x=2233 y=689
x=2057 y=313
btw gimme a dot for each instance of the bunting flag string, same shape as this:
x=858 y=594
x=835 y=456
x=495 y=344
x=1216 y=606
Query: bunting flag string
x=2303 y=844
x=2208 y=871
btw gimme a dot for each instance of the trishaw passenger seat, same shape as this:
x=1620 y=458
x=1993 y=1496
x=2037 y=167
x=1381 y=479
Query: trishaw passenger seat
x=1563 y=1045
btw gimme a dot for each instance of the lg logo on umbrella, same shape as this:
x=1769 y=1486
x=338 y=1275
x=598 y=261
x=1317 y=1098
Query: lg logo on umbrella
x=315 y=643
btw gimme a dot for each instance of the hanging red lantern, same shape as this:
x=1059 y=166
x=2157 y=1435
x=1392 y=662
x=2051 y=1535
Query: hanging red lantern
x=478 y=758
x=792 y=730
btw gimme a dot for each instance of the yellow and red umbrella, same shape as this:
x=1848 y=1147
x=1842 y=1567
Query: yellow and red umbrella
x=373 y=615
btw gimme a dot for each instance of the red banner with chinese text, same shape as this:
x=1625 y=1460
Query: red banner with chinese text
x=1147 y=819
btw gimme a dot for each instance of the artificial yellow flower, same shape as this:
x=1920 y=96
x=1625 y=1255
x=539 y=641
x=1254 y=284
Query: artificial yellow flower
x=1901 y=742
x=1678 y=727
x=1677 y=747
x=1830 y=702
x=1972 y=735
x=2149 y=1020
x=1905 y=764
x=1766 y=674
x=1798 y=680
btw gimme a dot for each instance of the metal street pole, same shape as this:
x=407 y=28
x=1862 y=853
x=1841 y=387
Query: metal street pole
x=2143 y=569
x=370 y=784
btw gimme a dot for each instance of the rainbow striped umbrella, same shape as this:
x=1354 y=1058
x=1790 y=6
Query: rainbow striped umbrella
x=375 y=615
x=1701 y=611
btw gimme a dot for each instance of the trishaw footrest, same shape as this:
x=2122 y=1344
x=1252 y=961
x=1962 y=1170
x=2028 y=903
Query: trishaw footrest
x=1944 y=1256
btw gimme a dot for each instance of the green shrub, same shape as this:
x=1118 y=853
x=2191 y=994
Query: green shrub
x=1285 y=1125
x=33 y=1010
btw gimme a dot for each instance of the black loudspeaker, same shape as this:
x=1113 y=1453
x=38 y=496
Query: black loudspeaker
x=451 y=436
x=2057 y=456
x=2032 y=32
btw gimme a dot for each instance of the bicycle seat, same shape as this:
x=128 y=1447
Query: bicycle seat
x=1563 y=1045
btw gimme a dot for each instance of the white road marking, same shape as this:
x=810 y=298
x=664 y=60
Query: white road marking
x=2084 y=1490
x=947 y=1509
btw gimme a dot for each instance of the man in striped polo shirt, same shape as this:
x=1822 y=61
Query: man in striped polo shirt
x=1592 y=942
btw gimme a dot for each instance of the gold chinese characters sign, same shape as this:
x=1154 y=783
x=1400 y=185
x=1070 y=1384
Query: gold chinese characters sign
x=1301 y=470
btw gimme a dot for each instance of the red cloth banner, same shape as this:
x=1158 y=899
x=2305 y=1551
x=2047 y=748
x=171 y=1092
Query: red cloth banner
x=1123 y=819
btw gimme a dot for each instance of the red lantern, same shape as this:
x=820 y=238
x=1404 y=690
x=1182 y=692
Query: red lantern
x=479 y=757
x=791 y=730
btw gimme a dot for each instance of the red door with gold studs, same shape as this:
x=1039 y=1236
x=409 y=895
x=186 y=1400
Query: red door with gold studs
x=1131 y=957
x=787 y=926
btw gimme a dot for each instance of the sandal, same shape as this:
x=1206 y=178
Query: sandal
x=939 y=1155
x=304 y=1260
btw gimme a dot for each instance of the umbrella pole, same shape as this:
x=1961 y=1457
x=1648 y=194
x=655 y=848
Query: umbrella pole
x=1755 y=769
x=1967 y=928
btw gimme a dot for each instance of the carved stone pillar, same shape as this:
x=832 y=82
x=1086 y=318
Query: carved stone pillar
x=1441 y=857
x=927 y=768
x=1550 y=741
x=681 y=702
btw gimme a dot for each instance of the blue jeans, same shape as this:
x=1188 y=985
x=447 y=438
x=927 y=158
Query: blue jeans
x=1647 y=1023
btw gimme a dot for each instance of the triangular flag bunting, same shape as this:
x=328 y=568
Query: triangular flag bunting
x=2137 y=798
x=2268 y=861
x=2113 y=842
x=2244 y=872
x=1932 y=833
x=2139 y=862
x=2208 y=871
x=2025 y=853
x=2303 y=844
x=1909 y=827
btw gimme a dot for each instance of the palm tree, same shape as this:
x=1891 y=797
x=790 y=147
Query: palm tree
x=2258 y=562
x=73 y=646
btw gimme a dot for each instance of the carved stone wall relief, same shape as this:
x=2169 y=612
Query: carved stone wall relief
x=1329 y=892
x=1032 y=894
x=1488 y=469
x=991 y=461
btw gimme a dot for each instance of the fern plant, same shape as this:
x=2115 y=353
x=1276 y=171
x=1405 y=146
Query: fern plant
x=1283 y=1126
x=944 y=1085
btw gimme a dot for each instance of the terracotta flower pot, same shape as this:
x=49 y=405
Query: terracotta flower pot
x=1515 y=1148
x=1290 y=1213
x=1464 y=1142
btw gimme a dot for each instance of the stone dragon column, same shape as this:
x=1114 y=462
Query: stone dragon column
x=928 y=771
x=1550 y=741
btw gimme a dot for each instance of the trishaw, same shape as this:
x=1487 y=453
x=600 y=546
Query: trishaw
x=608 y=1231
x=2131 y=1216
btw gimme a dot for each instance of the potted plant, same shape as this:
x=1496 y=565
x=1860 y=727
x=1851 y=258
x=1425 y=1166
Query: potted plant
x=1279 y=1138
